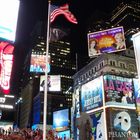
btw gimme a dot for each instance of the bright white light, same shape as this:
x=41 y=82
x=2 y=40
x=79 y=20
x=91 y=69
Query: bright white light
x=8 y=18
x=9 y=96
x=58 y=121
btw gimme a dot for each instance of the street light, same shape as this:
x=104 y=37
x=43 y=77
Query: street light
x=18 y=102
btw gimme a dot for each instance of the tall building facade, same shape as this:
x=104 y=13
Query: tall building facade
x=99 y=90
x=62 y=64
x=88 y=96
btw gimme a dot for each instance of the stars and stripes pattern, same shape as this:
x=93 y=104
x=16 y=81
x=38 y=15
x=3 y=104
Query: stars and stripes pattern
x=62 y=10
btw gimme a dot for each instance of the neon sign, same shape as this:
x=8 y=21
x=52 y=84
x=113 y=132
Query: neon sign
x=6 y=63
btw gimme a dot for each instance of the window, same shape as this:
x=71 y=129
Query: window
x=131 y=67
x=101 y=65
x=122 y=65
x=112 y=63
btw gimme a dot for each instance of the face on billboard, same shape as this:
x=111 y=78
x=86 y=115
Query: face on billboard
x=106 y=41
x=91 y=94
x=118 y=91
x=8 y=15
x=122 y=123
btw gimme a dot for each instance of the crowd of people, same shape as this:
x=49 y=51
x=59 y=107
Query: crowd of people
x=26 y=134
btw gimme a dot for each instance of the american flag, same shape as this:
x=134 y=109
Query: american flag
x=62 y=10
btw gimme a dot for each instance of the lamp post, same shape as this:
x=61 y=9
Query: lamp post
x=18 y=102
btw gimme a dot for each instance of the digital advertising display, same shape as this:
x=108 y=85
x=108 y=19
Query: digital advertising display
x=54 y=83
x=75 y=113
x=6 y=64
x=64 y=135
x=38 y=63
x=8 y=18
x=122 y=124
x=119 y=91
x=98 y=128
x=137 y=94
x=106 y=41
x=61 y=120
x=7 y=102
x=92 y=94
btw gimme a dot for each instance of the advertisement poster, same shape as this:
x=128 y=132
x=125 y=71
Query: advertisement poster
x=106 y=41
x=137 y=94
x=75 y=113
x=122 y=124
x=61 y=120
x=54 y=83
x=38 y=63
x=118 y=91
x=98 y=129
x=91 y=94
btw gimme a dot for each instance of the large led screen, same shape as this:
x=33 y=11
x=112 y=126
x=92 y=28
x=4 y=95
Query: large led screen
x=6 y=63
x=8 y=18
x=106 y=41
x=118 y=91
x=122 y=124
x=92 y=94
x=61 y=120
x=137 y=94
x=38 y=63
x=54 y=83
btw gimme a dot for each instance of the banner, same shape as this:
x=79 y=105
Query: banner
x=118 y=91
x=106 y=41
x=122 y=124
x=98 y=129
x=91 y=94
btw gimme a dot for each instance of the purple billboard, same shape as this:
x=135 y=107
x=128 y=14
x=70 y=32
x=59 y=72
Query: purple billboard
x=106 y=41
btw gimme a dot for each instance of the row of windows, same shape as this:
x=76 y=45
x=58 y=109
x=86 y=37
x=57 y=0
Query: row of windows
x=98 y=67
x=90 y=72
x=122 y=65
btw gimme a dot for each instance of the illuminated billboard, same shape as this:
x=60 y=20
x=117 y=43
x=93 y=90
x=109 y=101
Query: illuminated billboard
x=54 y=83
x=137 y=94
x=7 y=102
x=61 y=120
x=64 y=135
x=106 y=41
x=122 y=124
x=118 y=91
x=8 y=18
x=6 y=63
x=98 y=128
x=92 y=94
x=38 y=63
x=136 y=44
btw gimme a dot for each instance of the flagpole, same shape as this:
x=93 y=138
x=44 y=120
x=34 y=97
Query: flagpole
x=46 y=75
